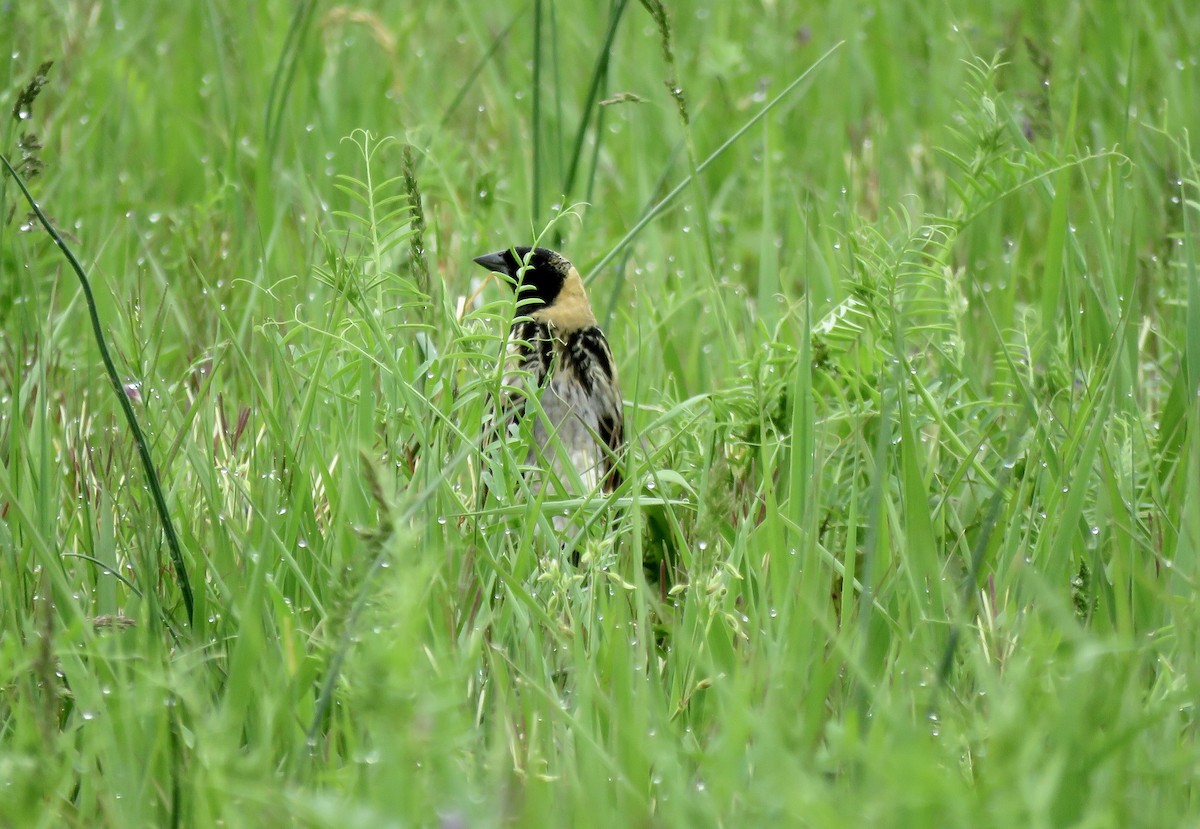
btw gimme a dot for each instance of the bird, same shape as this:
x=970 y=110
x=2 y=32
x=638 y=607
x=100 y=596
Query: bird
x=560 y=355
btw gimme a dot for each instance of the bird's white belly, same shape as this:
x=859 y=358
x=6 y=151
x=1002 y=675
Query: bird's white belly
x=564 y=436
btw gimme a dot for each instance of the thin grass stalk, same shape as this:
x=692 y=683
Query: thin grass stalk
x=535 y=204
x=285 y=74
x=666 y=201
x=472 y=76
x=661 y=19
x=590 y=102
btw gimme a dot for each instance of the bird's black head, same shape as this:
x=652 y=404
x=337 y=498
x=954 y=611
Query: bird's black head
x=542 y=281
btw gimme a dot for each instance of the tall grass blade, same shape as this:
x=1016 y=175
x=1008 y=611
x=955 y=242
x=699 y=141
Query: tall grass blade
x=143 y=447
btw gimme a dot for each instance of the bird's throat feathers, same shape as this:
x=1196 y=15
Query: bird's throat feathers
x=570 y=310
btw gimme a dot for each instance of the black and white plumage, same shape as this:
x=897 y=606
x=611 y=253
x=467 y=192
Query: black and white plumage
x=560 y=351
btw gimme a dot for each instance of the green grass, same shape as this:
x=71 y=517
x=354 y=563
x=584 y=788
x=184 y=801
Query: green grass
x=910 y=367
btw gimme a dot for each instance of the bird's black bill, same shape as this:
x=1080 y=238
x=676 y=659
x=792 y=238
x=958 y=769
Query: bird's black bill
x=493 y=262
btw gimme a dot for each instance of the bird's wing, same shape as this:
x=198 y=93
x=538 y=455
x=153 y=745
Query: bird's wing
x=601 y=381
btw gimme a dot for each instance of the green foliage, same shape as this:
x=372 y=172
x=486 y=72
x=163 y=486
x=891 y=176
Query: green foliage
x=904 y=301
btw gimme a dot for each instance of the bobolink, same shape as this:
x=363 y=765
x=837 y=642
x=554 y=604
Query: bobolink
x=558 y=347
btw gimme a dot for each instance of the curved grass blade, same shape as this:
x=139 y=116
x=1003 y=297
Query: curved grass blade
x=160 y=502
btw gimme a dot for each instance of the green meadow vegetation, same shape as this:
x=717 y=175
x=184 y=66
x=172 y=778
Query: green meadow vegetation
x=905 y=300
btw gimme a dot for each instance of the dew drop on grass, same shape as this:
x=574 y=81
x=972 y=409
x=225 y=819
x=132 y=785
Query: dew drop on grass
x=369 y=758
